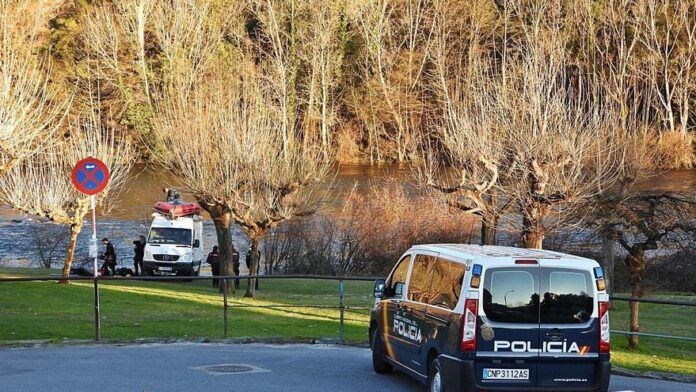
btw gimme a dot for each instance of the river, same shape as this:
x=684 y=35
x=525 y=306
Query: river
x=22 y=237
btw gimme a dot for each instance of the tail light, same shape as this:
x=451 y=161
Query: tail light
x=469 y=325
x=604 y=344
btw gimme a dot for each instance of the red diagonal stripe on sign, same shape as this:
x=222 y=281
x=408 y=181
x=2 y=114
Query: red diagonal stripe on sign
x=89 y=176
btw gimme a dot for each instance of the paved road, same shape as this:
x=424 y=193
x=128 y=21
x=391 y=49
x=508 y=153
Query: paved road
x=177 y=367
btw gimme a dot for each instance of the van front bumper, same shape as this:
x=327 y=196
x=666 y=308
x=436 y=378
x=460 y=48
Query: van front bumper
x=460 y=375
x=163 y=267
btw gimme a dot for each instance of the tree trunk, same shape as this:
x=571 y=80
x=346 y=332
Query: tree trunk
x=75 y=229
x=608 y=261
x=532 y=232
x=222 y=220
x=635 y=262
x=635 y=327
x=253 y=265
x=489 y=230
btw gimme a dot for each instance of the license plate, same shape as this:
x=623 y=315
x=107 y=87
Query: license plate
x=506 y=374
x=165 y=268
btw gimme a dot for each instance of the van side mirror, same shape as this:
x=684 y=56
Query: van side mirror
x=379 y=288
x=196 y=243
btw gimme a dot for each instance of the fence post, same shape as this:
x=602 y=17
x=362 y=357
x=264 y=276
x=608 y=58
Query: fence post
x=97 y=321
x=342 y=332
x=224 y=299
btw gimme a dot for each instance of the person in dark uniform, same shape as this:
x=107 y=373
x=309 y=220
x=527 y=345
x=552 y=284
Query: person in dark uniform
x=109 y=257
x=235 y=266
x=139 y=253
x=214 y=261
x=248 y=264
x=172 y=194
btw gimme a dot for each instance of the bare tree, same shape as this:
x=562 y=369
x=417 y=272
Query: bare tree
x=465 y=162
x=41 y=185
x=237 y=159
x=47 y=240
x=667 y=31
x=558 y=129
x=29 y=115
x=522 y=130
x=398 y=37
x=643 y=222
x=326 y=39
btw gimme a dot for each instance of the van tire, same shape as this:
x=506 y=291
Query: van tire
x=378 y=363
x=435 y=377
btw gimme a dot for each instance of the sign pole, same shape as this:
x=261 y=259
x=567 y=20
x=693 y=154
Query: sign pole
x=90 y=176
x=93 y=253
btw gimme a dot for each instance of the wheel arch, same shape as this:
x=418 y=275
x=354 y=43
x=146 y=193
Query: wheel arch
x=432 y=354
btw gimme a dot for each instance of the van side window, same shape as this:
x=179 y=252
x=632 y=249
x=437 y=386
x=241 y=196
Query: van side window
x=567 y=296
x=398 y=279
x=446 y=283
x=510 y=296
x=419 y=284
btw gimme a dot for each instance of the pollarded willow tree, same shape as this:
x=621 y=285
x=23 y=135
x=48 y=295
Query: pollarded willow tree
x=150 y=55
x=556 y=128
x=524 y=130
x=28 y=112
x=41 y=185
x=468 y=162
x=228 y=146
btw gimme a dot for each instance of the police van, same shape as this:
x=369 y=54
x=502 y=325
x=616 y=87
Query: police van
x=492 y=318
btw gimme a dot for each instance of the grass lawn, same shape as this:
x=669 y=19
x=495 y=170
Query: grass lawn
x=131 y=310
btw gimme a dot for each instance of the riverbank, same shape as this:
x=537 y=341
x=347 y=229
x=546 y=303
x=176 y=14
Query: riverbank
x=160 y=311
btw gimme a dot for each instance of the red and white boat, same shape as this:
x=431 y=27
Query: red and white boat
x=177 y=208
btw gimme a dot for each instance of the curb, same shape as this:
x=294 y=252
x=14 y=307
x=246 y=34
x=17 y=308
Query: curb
x=45 y=343
x=664 y=376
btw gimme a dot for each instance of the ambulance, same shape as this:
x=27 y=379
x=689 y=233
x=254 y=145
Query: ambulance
x=492 y=318
x=175 y=240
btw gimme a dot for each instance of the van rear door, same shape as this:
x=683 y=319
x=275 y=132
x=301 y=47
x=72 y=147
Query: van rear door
x=508 y=336
x=569 y=327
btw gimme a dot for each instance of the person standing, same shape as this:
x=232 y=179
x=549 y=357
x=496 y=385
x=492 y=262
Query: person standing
x=235 y=266
x=214 y=261
x=109 y=257
x=248 y=264
x=139 y=254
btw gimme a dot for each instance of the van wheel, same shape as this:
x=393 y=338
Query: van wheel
x=435 y=381
x=378 y=363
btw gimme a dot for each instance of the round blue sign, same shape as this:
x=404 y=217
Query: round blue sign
x=90 y=176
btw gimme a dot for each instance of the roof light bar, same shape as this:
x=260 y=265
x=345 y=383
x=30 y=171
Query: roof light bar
x=530 y=262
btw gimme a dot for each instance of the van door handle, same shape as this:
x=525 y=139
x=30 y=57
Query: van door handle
x=555 y=334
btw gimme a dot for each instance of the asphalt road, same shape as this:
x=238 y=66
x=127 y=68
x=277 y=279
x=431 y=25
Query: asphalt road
x=178 y=367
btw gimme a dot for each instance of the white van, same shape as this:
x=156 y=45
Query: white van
x=472 y=318
x=174 y=245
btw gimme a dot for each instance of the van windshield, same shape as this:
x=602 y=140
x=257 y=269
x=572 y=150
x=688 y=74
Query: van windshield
x=168 y=235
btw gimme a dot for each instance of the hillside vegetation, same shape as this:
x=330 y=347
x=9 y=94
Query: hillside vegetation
x=364 y=78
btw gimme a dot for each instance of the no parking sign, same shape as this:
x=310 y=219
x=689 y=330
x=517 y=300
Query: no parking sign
x=90 y=176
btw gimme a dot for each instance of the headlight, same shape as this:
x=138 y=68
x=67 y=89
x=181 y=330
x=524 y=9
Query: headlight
x=148 y=254
x=185 y=258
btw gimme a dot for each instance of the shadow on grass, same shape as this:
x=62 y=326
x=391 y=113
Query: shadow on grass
x=45 y=310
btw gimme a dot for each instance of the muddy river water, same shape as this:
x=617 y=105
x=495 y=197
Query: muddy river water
x=24 y=238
